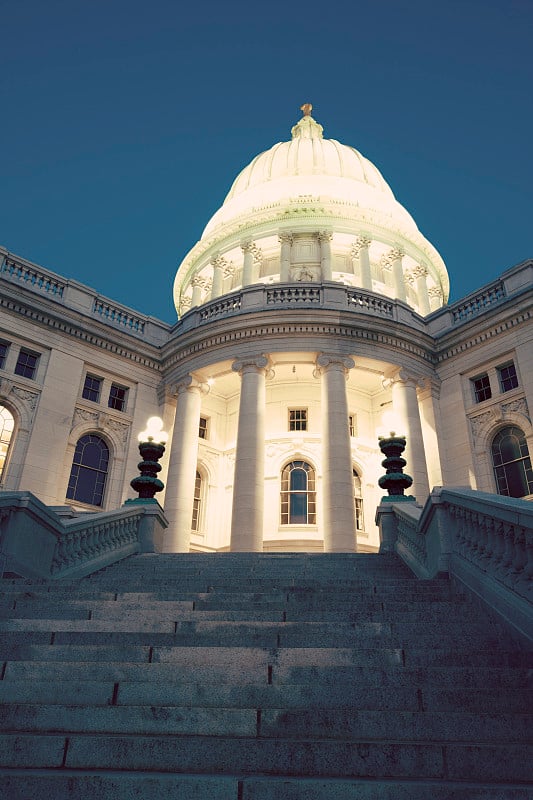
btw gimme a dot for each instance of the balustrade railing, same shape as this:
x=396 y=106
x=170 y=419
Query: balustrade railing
x=36 y=541
x=478 y=303
x=220 y=308
x=87 y=540
x=369 y=302
x=485 y=541
x=290 y=295
x=34 y=279
x=118 y=315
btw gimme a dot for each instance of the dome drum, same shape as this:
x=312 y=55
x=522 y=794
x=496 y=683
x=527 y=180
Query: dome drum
x=312 y=210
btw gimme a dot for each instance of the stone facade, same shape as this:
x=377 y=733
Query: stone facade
x=291 y=346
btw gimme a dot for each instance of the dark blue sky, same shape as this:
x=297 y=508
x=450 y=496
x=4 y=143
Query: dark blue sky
x=124 y=123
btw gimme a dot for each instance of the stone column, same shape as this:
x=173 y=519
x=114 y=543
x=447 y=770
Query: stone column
x=285 y=240
x=324 y=237
x=197 y=284
x=405 y=408
x=360 y=250
x=249 y=481
x=218 y=263
x=395 y=259
x=435 y=298
x=248 y=266
x=337 y=475
x=420 y=274
x=182 y=465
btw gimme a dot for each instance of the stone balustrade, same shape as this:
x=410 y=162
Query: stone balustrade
x=118 y=315
x=478 y=303
x=36 y=541
x=32 y=278
x=484 y=540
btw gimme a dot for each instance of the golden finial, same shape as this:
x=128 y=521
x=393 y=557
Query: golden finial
x=306 y=108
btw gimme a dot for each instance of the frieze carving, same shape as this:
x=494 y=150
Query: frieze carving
x=103 y=421
x=6 y=386
x=84 y=415
x=30 y=398
x=519 y=406
x=479 y=422
x=120 y=429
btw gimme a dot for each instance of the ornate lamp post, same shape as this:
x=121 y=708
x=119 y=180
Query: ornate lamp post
x=395 y=480
x=151 y=447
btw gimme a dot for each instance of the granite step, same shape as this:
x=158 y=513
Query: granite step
x=269 y=756
x=99 y=785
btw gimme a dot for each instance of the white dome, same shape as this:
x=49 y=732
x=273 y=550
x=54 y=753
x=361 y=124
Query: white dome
x=312 y=167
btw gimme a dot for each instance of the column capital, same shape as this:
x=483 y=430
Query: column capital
x=325 y=236
x=404 y=376
x=361 y=243
x=247 y=246
x=218 y=261
x=188 y=383
x=251 y=364
x=285 y=237
x=395 y=254
x=420 y=271
x=327 y=360
x=435 y=292
x=197 y=280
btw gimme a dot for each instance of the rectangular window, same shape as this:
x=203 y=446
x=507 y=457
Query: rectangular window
x=297 y=419
x=202 y=428
x=507 y=377
x=482 y=390
x=4 y=347
x=117 y=397
x=352 y=423
x=92 y=388
x=27 y=364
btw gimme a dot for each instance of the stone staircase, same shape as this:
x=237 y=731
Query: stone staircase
x=258 y=676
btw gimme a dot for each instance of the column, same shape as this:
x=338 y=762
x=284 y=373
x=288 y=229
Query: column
x=395 y=259
x=337 y=476
x=249 y=481
x=285 y=240
x=324 y=237
x=405 y=408
x=435 y=298
x=360 y=250
x=197 y=284
x=182 y=465
x=420 y=274
x=248 y=266
x=218 y=263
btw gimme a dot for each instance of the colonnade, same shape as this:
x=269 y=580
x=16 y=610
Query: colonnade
x=249 y=478
x=429 y=299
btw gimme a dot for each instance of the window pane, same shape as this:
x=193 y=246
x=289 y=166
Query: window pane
x=26 y=365
x=4 y=347
x=511 y=462
x=91 y=388
x=117 y=397
x=7 y=424
x=89 y=471
x=298 y=480
x=298 y=514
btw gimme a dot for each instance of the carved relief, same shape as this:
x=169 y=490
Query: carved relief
x=30 y=398
x=519 y=405
x=479 y=422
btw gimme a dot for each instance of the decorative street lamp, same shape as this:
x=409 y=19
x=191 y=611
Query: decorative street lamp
x=151 y=447
x=395 y=480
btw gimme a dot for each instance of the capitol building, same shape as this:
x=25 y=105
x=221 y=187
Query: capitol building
x=312 y=317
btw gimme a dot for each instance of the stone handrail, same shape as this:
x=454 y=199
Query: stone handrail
x=119 y=315
x=38 y=280
x=483 y=540
x=479 y=302
x=37 y=542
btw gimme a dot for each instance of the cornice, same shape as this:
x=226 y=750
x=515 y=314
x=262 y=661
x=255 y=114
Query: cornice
x=52 y=320
x=475 y=339
x=206 y=340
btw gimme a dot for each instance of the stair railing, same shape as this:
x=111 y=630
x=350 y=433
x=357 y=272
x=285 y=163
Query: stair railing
x=38 y=542
x=485 y=541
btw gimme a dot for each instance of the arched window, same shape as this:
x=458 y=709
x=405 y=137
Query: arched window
x=512 y=463
x=7 y=425
x=89 y=470
x=197 y=503
x=298 y=495
x=358 y=502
